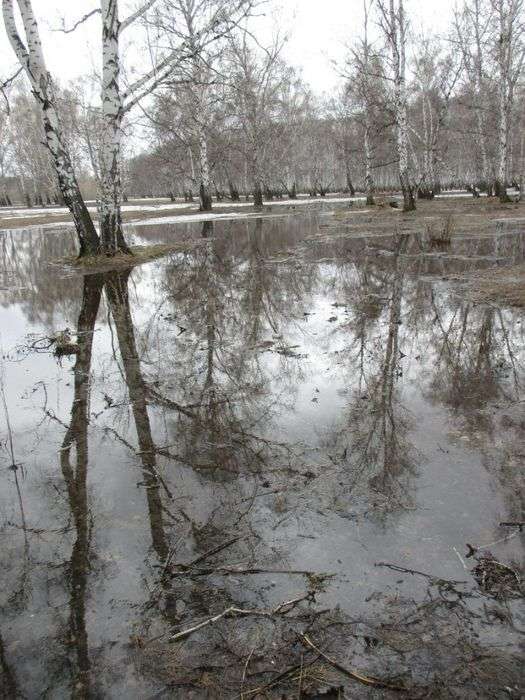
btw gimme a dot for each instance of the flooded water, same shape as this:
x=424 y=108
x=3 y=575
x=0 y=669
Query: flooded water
x=266 y=417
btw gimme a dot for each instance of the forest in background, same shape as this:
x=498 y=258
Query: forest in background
x=222 y=116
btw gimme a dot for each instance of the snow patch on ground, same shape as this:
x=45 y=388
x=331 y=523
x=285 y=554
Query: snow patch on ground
x=24 y=212
x=195 y=218
x=303 y=200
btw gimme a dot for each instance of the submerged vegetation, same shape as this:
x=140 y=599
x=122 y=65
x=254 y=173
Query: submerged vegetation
x=504 y=287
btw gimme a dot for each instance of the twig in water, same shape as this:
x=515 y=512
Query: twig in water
x=365 y=680
x=473 y=549
x=281 y=676
x=414 y=572
x=211 y=552
x=300 y=691
x=243 y=681
x=232 y=611
x=232 y=571
x=460 y=559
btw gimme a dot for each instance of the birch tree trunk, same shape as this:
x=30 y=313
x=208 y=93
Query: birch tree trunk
x=398 y=29
x=200 y=109
x=522 y=153
x=511 y=55
x=112 y=238
x=369 y=180
x=31 y=58
x=479 y=84
x=483 y=150
x=205 y=181
x=367 y=98
x=503 y=136
x=257 y=177
x=394 y=25
x=199 y=117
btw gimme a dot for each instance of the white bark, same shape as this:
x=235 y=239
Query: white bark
x=369 y=179
x=200 y=104
x=205 y=180
x=510 y=57
x=112 y=114
x=479 y=90
x=503 y=133
x=394 y=26
x=31 y=58
x=470 y=27
x=367 y=97
x=399 y=56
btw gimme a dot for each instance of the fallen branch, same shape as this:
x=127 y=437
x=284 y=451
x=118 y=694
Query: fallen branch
x=232 y=611
x=289 y=671
x=474 y=549
x=414 y=572
x=232 y=571
x=209 y=553
x=365 y=680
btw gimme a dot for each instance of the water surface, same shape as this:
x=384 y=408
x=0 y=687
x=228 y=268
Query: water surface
x=332 y=401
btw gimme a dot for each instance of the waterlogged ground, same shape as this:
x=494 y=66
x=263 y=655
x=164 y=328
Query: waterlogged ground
x=300 y=421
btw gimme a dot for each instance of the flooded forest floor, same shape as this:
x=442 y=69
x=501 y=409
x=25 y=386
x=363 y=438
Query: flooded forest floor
x=285 y=460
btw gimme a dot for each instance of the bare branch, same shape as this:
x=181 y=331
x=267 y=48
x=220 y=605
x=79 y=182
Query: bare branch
x=6 y=84
x=136 y=15
x=80 y=21
x=184 y=52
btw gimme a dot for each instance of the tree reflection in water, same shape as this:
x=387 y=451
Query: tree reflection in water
x=221 y=353
x=375 y=439
x=75 y=477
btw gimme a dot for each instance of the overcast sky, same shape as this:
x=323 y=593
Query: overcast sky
x=318 y=30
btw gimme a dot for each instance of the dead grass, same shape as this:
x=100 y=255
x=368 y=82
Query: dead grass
x=135 y=216
x=440 y=222
x=501 y=286
x=120 y=261
x=468 y=214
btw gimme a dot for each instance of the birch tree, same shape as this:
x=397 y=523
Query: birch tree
x=182 y=21
x=6 y=153
x=31 y=57
x=510 y=54
x=116 y=102
x=394 y=25
x=364 y=83
x=366 y=93
x=472 y=28
x=294 y=99
x=254 y=87
x=436 y=75
x=199 y=26
x=32 y=162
